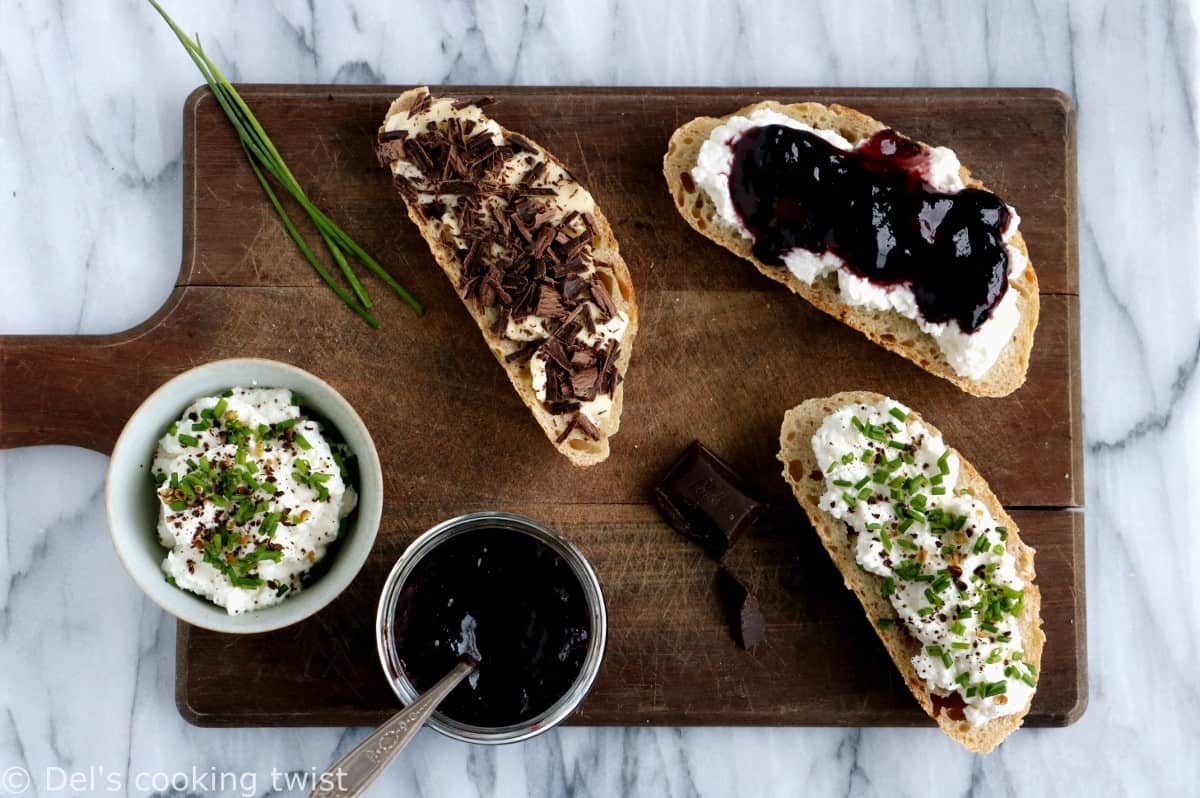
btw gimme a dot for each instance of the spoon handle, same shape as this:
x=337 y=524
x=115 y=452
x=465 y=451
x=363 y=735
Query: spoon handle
x=357 y=770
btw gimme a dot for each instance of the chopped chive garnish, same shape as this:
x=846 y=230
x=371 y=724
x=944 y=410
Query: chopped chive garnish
x=943 y=462
x=957 y=627
x=925 y=611
x=963 y=678
x=188 y=440
x=886 y=540
x=938 y=491
x=905 y=543
x=888 y=587
x=178 y=506
x=897 y=445
x=1029 y=680
x=858 y=425
x=301 y=441
x=843 y=483
x=899 y=414
x=862 y=483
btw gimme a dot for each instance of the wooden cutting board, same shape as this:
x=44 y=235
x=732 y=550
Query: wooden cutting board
x=721 y=354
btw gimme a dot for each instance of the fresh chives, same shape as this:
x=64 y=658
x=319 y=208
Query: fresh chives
x=263 y=156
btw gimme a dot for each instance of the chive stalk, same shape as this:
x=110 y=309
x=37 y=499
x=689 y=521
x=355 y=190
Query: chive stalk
x=263 y=156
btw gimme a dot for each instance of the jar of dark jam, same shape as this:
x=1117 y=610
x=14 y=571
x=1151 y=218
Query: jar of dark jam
x=509 y=592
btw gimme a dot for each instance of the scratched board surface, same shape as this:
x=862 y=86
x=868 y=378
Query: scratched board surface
x=721 y=354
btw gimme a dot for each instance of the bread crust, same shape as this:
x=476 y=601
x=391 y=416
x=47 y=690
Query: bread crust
x=801 y=470
x=580 y=451
x=886 y=328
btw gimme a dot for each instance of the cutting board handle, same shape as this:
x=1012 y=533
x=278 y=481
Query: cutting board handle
x=76 y=390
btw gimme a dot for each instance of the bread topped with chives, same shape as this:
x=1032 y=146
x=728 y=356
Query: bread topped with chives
x=931 y=554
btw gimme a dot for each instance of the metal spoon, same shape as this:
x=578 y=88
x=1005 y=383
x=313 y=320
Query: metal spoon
x=357 y=770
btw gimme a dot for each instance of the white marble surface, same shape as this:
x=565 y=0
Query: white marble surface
x=90 y=96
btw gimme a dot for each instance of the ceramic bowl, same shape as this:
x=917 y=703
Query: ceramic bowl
x=132 y=504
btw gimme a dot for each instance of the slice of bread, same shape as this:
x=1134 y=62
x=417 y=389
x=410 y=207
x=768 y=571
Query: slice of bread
x=886 y=328
x=801 y=470
x=582 y=443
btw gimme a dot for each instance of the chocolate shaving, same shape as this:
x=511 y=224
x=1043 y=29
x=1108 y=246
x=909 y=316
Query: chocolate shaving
x=457 y=187
x=421 y=104
x=562 y=436
x=603 y=299
x=534 y=173
x=557 y=353
x=587 y=427
x=584 y=383
x=390 y=150
x=542 y=241
x=573 y=287
x=478 y=102
x=522 y=354
x=550 y=304
x=520 y=144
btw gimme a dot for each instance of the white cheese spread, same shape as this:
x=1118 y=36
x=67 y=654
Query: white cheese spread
x=252 y=494
x=940 y=555
x=969 y=354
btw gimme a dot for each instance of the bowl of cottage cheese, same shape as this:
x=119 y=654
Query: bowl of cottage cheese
x=244 y=495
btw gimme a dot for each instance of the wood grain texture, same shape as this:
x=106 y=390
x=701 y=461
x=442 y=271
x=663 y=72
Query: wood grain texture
x=723 y=353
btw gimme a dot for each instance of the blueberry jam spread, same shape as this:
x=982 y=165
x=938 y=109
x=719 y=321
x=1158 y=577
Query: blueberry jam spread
x=511 y=602
x=871 y=207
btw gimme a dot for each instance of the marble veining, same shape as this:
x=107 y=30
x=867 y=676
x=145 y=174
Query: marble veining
x=90 y=97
